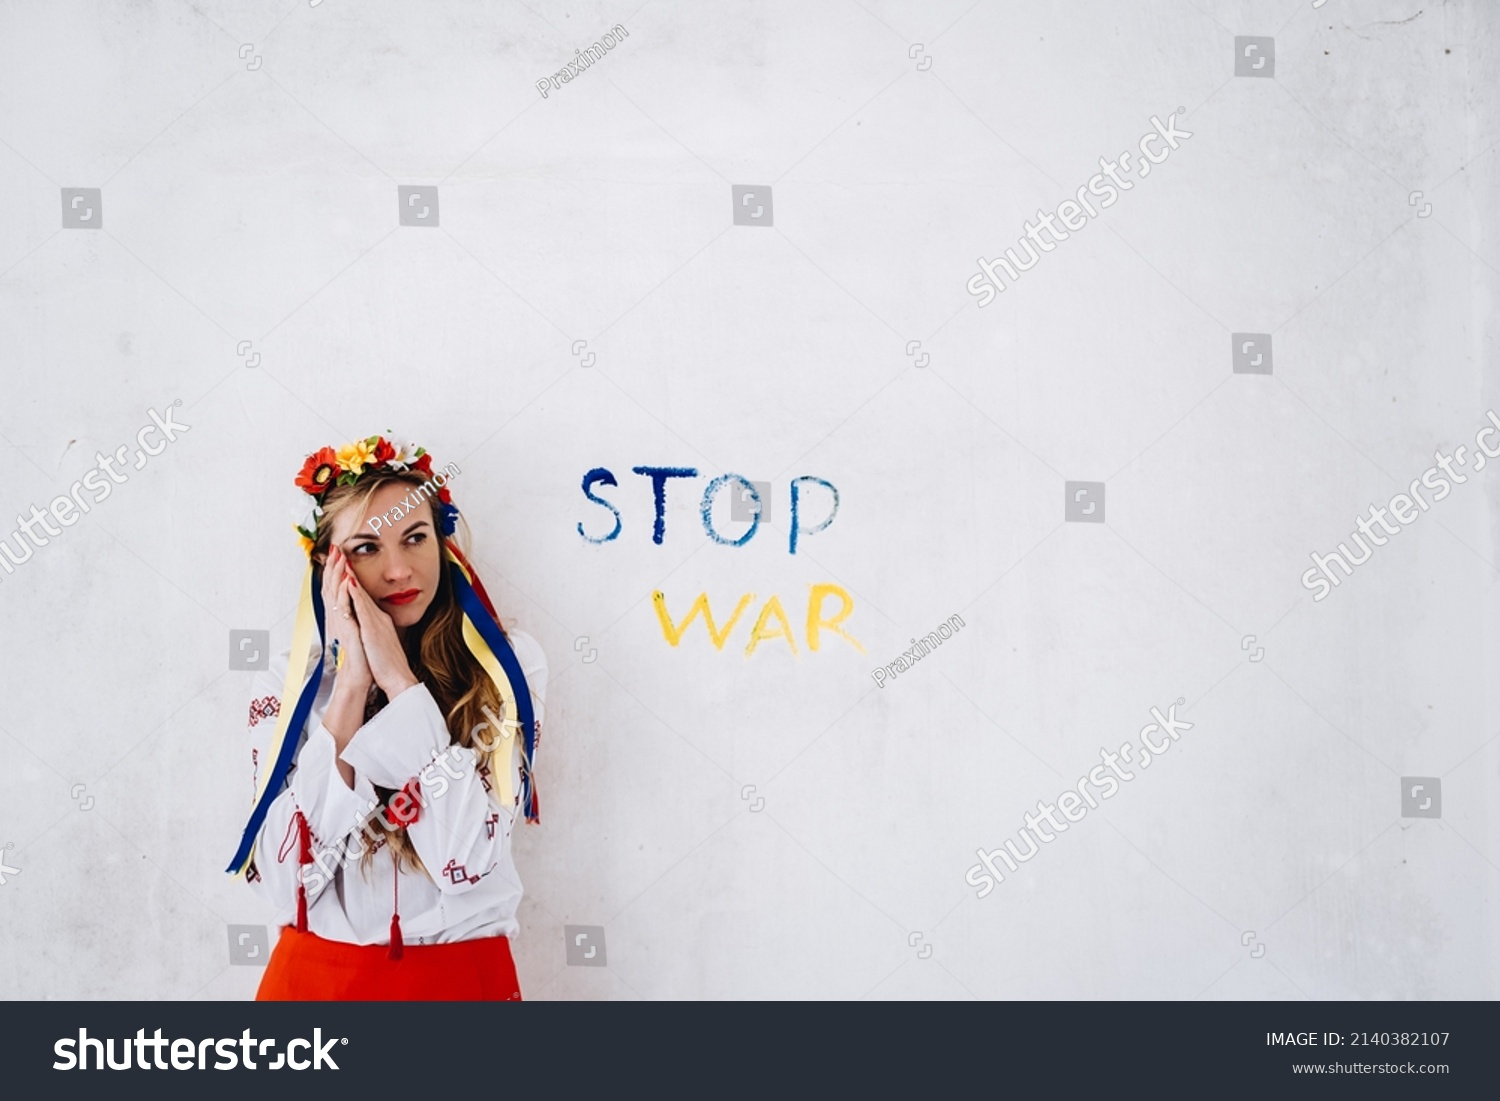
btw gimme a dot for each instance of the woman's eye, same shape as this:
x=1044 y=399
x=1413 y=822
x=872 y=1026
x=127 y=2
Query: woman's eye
x=359 y=550
x=417 y=537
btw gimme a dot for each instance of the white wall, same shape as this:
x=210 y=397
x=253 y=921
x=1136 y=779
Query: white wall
x=260 y=204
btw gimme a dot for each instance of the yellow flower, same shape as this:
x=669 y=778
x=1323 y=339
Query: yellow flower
x=353 y=456
x=307 y=544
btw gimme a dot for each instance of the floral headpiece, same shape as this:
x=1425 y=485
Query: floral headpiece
x=482 y=634
x=345 y=465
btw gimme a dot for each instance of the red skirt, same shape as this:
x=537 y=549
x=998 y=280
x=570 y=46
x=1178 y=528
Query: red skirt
x=304 y=967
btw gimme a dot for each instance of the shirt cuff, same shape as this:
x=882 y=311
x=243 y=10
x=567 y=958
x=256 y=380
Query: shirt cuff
x=332 y=809
x=400 y=741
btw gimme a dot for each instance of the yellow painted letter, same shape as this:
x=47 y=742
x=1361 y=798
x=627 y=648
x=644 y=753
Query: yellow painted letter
x=815 y=618
x=673 y=635
x=785 y=631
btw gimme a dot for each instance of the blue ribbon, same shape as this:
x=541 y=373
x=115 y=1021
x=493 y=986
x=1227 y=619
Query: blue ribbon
x=469 y=600
x=295 y=733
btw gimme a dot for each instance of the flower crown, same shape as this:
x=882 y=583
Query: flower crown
x=346 y=465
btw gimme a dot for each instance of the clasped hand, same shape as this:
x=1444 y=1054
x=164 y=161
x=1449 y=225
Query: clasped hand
x=366 y=637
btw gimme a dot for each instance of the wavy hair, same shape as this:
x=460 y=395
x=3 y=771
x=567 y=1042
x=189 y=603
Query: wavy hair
x=438 y=656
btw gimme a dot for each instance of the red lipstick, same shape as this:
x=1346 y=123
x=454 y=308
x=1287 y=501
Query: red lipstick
x=402 y=598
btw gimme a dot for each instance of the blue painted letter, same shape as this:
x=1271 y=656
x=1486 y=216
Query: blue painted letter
x=600 y=474
x=708 y=504
x=659 y=476
x=825 y=523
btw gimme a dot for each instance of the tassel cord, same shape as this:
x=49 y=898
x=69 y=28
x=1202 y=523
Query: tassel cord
x=398 y=948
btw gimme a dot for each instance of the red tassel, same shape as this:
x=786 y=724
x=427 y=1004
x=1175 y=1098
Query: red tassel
x=397 y=948
x=304 y=840
x=304 y=856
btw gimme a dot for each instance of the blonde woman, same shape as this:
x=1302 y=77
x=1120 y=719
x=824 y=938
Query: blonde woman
x=395 y=752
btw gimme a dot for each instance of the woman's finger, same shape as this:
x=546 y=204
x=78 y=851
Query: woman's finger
x=368 y=607
x=333 y=572
x=346 y=599
x=355 y=601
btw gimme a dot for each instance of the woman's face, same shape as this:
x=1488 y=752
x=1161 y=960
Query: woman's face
x=398 y=564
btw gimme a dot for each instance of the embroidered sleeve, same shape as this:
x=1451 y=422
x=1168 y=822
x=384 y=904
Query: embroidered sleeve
x=312 y=788
x=458 y=828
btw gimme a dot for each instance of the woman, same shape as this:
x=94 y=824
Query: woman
x=383 y=836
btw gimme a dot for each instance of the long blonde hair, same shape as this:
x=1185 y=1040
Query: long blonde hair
x=438 y=656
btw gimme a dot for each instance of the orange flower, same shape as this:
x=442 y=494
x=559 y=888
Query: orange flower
x=319 y=472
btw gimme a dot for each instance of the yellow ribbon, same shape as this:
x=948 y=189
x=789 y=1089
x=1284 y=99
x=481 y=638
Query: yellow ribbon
x=291 y=688
x=508 y=728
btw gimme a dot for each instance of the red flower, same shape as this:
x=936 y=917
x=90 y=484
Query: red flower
x=423 y=466
x=405 y=806
x=319 y=472
x=384 y=452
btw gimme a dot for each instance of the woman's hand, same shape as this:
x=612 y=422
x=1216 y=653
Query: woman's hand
x=341 y=626
x=382 y=646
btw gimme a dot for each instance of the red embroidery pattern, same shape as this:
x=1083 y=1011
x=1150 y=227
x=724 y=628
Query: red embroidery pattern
x=484 y=776
x=489 y=825
x=267 y=707
x=457 y=873
x=293 y=836
x=288 y=840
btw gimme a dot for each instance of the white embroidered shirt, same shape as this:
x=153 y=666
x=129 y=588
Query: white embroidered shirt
x=462 y=832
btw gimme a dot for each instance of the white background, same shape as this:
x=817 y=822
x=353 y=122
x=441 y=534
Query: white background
x=260 y=204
